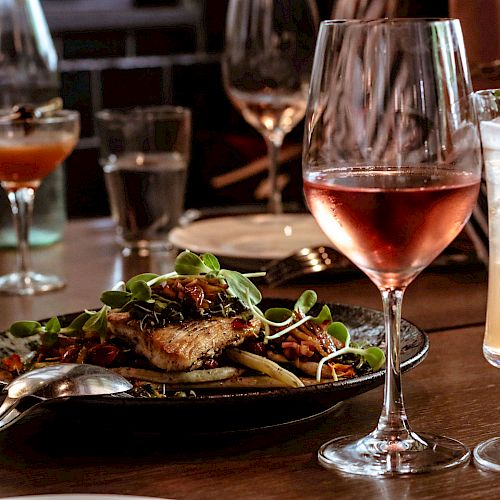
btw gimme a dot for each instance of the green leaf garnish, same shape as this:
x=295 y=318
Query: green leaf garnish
x=97 y=322
x=324 y=316
x=53 y=326
x=140 y=277
x=241 y=287
x=25 y=328
x=76 y=325
x=188 y=263
x=211 y=261
x=372 y=355
x=340 y=332
x=49 y=338
x=375 y=357
x=306 y=301
x=278 y=314
x=140 y=290
x=115 y=299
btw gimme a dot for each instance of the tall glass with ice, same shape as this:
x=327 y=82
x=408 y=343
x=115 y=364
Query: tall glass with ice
x=488 y=107
x=487 y=453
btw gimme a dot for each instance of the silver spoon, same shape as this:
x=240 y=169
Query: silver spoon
x=59 y=381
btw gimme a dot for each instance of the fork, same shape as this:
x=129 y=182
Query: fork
x=305 y=261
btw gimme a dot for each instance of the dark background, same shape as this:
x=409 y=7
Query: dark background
x=119 y=53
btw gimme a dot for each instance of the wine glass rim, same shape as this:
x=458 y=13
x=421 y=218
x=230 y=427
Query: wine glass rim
x=388 y=21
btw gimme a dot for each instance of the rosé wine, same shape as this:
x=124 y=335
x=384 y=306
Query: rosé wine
x=391 y=222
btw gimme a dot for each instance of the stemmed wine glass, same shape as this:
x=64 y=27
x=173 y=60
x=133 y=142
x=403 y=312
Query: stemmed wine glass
x=266 y=69
x=31 y=147
x=392 y=167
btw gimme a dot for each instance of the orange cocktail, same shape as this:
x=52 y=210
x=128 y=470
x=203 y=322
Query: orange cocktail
x=25 y=162
x=30 y=149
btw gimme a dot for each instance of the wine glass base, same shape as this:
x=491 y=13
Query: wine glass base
x=371 y=456
x=29 y=283
x=487 y=454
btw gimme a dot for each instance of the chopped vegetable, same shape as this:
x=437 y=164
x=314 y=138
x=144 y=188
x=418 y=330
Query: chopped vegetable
x=264 y=365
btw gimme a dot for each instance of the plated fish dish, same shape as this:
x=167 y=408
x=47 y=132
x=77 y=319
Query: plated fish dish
x=198 y=328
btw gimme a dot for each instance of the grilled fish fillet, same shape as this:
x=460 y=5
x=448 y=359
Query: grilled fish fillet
x=181 y=347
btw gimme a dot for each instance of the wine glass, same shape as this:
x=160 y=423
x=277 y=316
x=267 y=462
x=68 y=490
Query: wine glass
x=392 y=167
x=31 y=147
x=266 y=69
x=487 y=453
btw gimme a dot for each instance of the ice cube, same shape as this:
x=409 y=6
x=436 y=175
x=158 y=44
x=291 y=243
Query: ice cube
x=490 y=133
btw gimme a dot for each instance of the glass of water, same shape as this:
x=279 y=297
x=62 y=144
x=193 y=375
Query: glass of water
x=145 y=153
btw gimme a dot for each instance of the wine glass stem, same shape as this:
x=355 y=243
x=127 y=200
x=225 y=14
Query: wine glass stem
x=21 y=203
x=393 y=422
x=274 y=204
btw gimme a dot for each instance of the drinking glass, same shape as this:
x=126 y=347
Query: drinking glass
x=30 y=149
x=266 y=70
x=145 y=152
x=392 y=167
x=487 y=454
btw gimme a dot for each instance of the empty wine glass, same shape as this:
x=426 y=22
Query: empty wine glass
x=392 y=167
x=266 y=69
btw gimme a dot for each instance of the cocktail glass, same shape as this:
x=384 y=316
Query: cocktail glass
x=30 y=149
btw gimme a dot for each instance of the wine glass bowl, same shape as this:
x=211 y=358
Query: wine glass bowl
x=30 y=149
x=392 y=167
x=266 y=69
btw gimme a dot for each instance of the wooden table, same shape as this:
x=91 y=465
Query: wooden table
x=453 y=392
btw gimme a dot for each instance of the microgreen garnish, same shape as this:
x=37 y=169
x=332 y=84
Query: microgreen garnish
x=138 y=292
x=97 y=322
x=188 y=263
x=88 y=321
x=372 y=355
x=306 y=301
x=241 y=287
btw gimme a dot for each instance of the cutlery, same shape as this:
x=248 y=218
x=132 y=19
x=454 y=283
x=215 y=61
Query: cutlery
x=59 y=381
x=305 y=261
x=316 y=259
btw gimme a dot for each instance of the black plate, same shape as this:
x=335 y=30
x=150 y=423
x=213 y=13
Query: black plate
x=234 y=411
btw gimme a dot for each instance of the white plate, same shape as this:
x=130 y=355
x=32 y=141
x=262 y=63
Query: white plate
x=260 y=236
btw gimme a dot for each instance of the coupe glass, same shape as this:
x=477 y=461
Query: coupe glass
x=487 y=454
x=266 y=69
x=392 y=167
x=30 y=149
